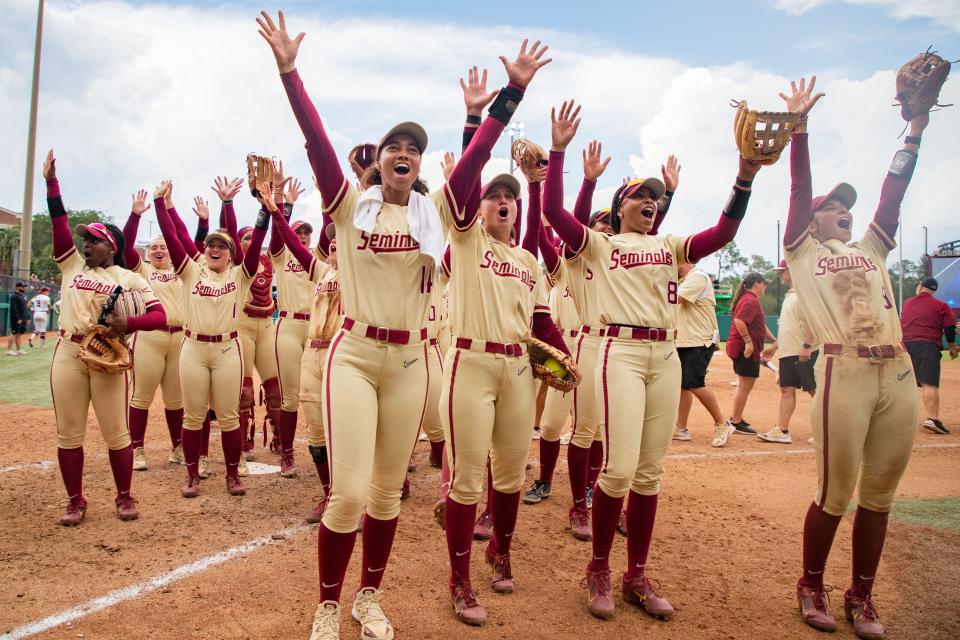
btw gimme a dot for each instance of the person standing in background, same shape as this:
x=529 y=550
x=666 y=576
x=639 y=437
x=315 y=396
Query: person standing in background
x=18 y=321
x=40 y=305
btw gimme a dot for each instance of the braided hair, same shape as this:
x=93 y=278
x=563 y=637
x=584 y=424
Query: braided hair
x=118 y=238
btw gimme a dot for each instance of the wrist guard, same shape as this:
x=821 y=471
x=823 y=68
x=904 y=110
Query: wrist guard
x=736 y=206
x=263 y=219
x=505 y=104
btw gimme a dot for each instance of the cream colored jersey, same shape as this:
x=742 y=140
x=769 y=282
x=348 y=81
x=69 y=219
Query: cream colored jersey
x=637 y=277
x=83 y=291
x=494 y=288
x=437 y=317
x=583 y=290
x=296 y=285
x=326 y=316
x=697 y=313
x=845 y=290
x=792 y=327
x=168 y=287
x=213 y=301
x=562 y=308
x=384 y=279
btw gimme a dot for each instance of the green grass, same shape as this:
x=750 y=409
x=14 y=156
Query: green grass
x=26 y=379
x=931 y=512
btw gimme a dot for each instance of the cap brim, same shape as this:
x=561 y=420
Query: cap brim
x=506 y=180
x=654 y=184
x=842 y=193
x=411 y=129
x=300 y=224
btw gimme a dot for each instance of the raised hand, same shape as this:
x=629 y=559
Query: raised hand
x=168 y=194
x=201 y=207
x=279 y=182
x=283 y=46
x=522 y=69
x=593 y=166
x=50 y=166
x=448 y=163
x=162 y=190
x=802 y=99
x=671 y=173
x=293 y=192
x=140 y=204
x=475 y=94
x=226 y=189
x=563 y=127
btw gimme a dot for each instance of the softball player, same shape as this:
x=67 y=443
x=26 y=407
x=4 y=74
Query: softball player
x=211 y=360
x=864 y=415
x=40 y=305
x=156 y=354
x=638 y=375
x=389 y=240
x=87 y=283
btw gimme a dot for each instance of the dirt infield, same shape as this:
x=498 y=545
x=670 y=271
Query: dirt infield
x=726 y=547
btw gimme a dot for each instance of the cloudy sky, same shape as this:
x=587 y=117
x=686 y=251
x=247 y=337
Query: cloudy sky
x=133 y=92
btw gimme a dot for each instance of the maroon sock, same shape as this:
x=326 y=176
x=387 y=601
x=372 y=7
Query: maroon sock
x=191 y=441
x=333 y=556
x=205 y=436
x=869 y=533
x=174 y=425
x=595 y=465
x=819 y=527
x=641 y=514
x=288 y=430
x=71 y=470
x=577 y=468
x=232 y=443
x=377 y=542
x=504 y=508
x=458 y=525
x=549 y=452
x=436 y=450
x=138 y=426
x=121 y=464
x=606 y=512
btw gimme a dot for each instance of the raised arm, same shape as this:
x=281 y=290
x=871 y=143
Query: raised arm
x=183 y=236
x=201 y=208
x=671 y=180
x=323 y=244
x=563 y=128
x=284 y=201
x=62 y=237
x=251 y=261
x=801 y=100
x=227 y=190
x=140 y=205
x=887 y=217
x=531 y=238
x=281 y=229
x=719 y=235
x=593 y=167
x=178 y=256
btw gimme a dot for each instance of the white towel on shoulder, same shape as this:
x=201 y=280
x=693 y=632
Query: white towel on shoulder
x=422 y=217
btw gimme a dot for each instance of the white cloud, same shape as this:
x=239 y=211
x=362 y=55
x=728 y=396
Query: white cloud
x=946 y=12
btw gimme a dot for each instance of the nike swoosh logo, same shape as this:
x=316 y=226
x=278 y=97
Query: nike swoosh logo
x=369 y=570
x=815 y=572
x=667 y=357
x=520 y=372
x=225 y=350
x=328 y=586
x=460 y=554
x=901 y=376
x=407 y=363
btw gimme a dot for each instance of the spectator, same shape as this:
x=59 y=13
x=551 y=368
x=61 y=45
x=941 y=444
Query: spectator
x=40 y=305
x=924 y=320
x=745 y=347
x=18 y=321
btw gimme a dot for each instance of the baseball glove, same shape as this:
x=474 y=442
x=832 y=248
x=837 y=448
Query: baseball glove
x=762 y=135
x=103 y=353
x=552 y=366
x=530 y=157
x=259 y=175
x=361 y=157
x=919 y=82
x=129 y=304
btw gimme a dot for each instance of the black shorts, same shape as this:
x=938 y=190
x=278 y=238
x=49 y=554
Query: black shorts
x=926 y=362
x=693 y=363
x=18 y=329
x=798 y=375
x=746 y=367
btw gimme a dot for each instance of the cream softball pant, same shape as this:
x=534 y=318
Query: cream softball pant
x=211 y=374
x=156 y=363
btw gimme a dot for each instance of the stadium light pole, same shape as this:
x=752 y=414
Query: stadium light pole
x=26 y=218
x=514 y=131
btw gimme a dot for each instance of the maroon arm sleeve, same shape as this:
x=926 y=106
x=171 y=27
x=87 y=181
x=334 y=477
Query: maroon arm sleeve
x=320 y=151
x=887 y=217
x=276 y=240
x=446 y=263
x=702 y=244
x=548 y=252
x=62 y=236
x=203 y=228
x=516 y=223
x=178 y=257
x=801 y=191
x=186 y=242
x=584 y=205
x=661 y=214
x=544 y=329
x=251 y=261
x=531 y=238
x=571 y=231
x=228 y=221
x=323 y=244
x=282 y=230
x=130 y=256
x=155 y=318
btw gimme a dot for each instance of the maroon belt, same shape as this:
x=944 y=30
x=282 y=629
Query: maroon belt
x=876 y=351
x=593 y=331
x=319 y=344
x=73 y=337
x=173 y=329
x=295 y=316
x=512 y=350
x=641 y=333
x=202 y=337
x=383 y=334
x=572 y=333
x=434 y=342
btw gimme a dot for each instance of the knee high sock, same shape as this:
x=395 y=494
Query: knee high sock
x=121 y=464
x=641 y=514
x=504 y=510
x=288 y=430
x=577 y=467
x=606 y=512
x=71 y=470
x=205 y=437
x=138 y=426
x=319 y=455
x=869 y=534
x=549 y=452
x=377 y=543
x=232 y=443
x=595 y=465
x=333 y=556
x=174 y=425
x=458 y=526
x=436 y=450
x=191 y=441
x=819 y=528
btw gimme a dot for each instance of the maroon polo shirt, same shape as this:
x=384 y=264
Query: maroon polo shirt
x=749 y=311
x=924 y=318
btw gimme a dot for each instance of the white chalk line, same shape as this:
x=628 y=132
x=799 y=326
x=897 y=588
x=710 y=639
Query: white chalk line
x=153 y=584
x=43 y=465
x=783 y=452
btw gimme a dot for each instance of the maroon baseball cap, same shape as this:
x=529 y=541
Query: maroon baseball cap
x=842 y=193
x=97 y=230
x=302 y=223
x=244 y=231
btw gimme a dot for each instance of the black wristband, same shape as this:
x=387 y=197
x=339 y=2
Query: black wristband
x=55 y=207
x=737 y=204
x=505 y=104
x=745 y=184
x=912 y=140
x=263 y=219
x=471 y=119
x=287 y=210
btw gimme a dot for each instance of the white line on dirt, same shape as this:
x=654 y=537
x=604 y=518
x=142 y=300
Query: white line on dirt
x=782 y=452
x=150 y=585
x=43 y=465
